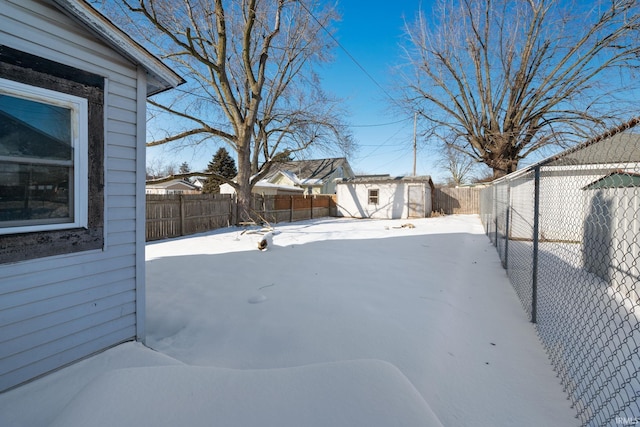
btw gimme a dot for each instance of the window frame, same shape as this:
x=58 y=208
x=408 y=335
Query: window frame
x=33 y=70
x=371 y=198
x=79 y=145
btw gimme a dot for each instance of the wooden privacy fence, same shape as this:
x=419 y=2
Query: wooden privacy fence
x=464 y=200
x=284 y=208
x=176 y=215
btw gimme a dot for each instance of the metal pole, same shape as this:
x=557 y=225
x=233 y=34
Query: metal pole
x=536 y=225
x=507 y=225
x=415 y=143
x=495 y=215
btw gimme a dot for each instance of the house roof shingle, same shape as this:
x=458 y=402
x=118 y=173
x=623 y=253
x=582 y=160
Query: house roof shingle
x=310 y=170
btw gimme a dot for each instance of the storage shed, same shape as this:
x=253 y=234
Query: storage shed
x=73 y=91
x=385 y=197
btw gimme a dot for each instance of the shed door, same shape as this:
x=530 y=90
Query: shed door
x=416 y=201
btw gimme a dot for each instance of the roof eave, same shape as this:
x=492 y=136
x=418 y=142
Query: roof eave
x=160 y=76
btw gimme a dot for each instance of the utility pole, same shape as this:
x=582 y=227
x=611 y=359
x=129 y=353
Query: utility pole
x=415 y=143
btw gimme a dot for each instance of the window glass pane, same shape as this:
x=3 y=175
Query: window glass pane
x=34 y=129
x=373 y=197
x=33 y=194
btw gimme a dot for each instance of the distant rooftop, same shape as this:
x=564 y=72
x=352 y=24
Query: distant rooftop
x=306 y=170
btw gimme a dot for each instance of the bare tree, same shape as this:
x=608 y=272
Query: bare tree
x=509 y=77
x=157 y=169
x=249 y=66
x=459 y=165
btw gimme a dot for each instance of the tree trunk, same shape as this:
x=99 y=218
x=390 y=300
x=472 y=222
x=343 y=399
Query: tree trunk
x=504 y=167
x=243 y=190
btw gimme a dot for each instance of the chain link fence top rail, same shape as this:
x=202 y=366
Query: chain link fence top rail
x=568 y=233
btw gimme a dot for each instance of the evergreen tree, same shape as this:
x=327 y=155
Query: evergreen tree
x=184 y=168
x=223 y=165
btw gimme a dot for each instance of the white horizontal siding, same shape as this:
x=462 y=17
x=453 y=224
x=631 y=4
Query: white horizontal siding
x=59 y=309
x=393 y=199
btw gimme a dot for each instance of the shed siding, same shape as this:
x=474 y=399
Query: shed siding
x=393 y=199
x=56 y=310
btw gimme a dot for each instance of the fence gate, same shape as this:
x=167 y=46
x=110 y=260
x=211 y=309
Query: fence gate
x=416 y=201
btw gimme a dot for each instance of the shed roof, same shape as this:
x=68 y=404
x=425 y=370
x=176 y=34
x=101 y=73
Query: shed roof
x=159 y=76
x=388 y=180
x=617 y=179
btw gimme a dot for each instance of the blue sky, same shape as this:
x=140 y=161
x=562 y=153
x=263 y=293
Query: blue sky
x=371 y=33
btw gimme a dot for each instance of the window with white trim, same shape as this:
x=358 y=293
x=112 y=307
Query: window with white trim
x=43 y=159
x=373 y=196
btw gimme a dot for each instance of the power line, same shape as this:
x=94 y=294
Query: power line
x=380 y=124
x=351 y=57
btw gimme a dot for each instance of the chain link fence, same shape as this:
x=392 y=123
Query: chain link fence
x=567 y=232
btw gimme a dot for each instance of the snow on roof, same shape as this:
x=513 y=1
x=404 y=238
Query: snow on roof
x=386 y=179
x=265 y=184
x=290 y=175
x=311 y=181
x=178 y=182
x=319 y=169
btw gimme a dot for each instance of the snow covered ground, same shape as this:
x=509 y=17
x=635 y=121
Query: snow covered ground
x=339 y=322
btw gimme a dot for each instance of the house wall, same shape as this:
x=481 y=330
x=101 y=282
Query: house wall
x=328 y=186
x=393 y=198
x=58 y=309
x=280 y=179
x=611 y=248
x=561 y=203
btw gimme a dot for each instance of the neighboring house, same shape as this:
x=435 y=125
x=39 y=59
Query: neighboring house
x=588 y=196
x=199 y=182
x=72 y=173
x=266 y=189
x=314 y=176
x=175 y=186
x=572 y=170
x=385 y=197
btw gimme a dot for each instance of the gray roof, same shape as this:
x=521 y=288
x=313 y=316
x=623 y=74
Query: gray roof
x=616 y=179
x=615 y=147
x=619 y=148
x=388 y=179
x=174 y=183
x=319 y=169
